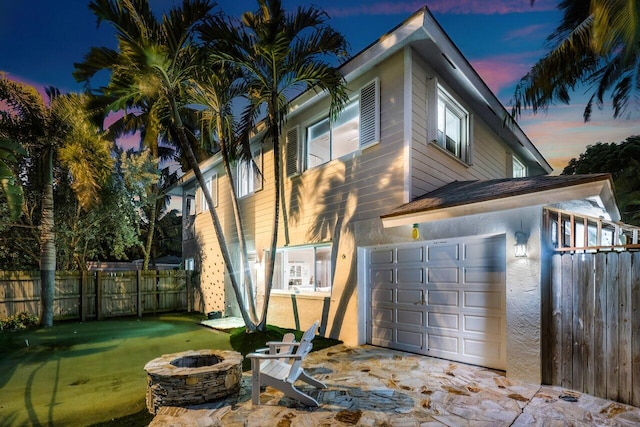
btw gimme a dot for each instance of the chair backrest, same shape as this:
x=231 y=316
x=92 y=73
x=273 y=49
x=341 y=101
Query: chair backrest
x=286 y=349
x=303 y=349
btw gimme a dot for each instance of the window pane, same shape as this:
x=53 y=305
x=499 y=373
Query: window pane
x=323 y=269
x=345 y=134
x=519 y=170
x=452 y=126
x=318 y=143
x=441 y=121
x=300 y=269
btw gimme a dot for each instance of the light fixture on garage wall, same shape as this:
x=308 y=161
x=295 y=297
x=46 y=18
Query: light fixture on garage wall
x=415 y=232
x=521 y=244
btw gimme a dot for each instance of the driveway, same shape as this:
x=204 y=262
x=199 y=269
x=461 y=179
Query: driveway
x=372 y=386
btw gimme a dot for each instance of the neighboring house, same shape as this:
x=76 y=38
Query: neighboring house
x=403 y=214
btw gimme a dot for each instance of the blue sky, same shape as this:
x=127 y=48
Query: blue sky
x=41 y=39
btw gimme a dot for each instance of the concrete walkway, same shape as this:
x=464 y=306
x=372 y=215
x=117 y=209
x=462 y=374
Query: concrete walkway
x=371 y=386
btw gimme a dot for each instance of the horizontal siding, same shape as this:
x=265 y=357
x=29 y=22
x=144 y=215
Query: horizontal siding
x=433 y=167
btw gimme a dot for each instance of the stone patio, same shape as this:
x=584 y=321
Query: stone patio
x=371 y=386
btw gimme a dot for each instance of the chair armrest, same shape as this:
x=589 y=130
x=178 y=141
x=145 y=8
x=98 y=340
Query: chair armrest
x=273 y=356
x=282 y=344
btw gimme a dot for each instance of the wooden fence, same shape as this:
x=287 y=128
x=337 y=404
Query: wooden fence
x=99 y=294
x=591 y=341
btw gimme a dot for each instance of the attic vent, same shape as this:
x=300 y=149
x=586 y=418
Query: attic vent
x=369 y=113
x=293 y=150
x=449 y=61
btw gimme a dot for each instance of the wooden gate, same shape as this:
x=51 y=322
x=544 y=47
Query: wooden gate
x=591 y=338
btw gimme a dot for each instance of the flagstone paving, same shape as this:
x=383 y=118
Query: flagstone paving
x=371 y=386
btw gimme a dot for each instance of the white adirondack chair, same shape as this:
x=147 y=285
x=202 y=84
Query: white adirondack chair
x=274 y=370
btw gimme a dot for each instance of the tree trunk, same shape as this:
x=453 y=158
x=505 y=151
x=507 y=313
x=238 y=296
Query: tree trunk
x=193 y=163
x=248 y=280
x=150 y=232
x=47 y=243
x=268 y=277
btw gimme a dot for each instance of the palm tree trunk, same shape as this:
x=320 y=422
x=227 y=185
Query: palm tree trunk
x=193 y=163
x=268 y=279
x=47 y=243
x=248 y=280
x=150 y=232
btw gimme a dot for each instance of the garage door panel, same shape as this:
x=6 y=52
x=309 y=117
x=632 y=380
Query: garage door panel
x=443 y=321
x=482 y=349
x=444 y=252
x=382 y=336
x=482 y=324
x=443 y=298
x=408 y=338
x=410 y=275
x=443 y=274
x=442 y=344
x=483 y=275
x=382 y=314
x=409 y=317
x=382 y=276
x=483 y=300
x=382 y=256
x=410 y=255
x=485 y=249
x=410 y=296
x=381 y=295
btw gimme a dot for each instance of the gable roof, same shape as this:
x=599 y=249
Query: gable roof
x=428 y=39
x=461 y=198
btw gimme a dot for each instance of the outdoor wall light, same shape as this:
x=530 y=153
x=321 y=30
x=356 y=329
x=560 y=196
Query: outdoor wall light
x=415 y=232
x=521 y=244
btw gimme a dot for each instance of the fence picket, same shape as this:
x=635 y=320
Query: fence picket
x=97 y=295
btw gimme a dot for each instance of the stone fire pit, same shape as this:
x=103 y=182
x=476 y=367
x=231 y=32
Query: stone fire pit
x=192 y=377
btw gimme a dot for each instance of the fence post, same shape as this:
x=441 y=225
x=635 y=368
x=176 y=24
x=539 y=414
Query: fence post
x=83 y=297
x=99 y=314
x=187 y=279
x=139 y=292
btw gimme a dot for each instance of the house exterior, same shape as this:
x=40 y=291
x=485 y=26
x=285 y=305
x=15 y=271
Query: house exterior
x=387 y=239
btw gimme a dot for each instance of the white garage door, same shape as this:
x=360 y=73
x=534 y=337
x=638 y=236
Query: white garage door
x=442 y=298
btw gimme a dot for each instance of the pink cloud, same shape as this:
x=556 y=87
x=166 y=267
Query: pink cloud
x=460 y=7
x=502 y=71
x=560 y=134
x=38 y=86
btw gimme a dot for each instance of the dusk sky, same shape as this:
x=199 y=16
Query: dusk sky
x=41 y=39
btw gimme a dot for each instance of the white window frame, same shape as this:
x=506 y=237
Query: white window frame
x=319 y=277
x=253 y=181
x=438 y=96
x=521 y=171
x=212 y=187
x=353 y=103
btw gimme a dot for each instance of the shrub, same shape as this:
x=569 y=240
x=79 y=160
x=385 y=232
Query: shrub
x=18 y=321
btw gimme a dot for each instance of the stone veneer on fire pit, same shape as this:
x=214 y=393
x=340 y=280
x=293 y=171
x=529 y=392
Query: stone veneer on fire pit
x=192 y=377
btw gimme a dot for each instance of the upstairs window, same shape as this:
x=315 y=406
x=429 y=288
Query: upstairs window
x=249 y=177
x=519 y=169
x=453 y=126
x=357 y=127
x=327 y=141
x=212 y=188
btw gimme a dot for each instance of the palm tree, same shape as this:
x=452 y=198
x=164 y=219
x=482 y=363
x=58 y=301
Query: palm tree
x=155 y=63
x=280 y=54
x=58 y=127
x=9 y=184
x=598 y=44
x=214 y=93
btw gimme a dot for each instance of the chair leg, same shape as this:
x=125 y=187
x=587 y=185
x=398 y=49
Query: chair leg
x=292 y=392
x=310 y=380
x=255 y=382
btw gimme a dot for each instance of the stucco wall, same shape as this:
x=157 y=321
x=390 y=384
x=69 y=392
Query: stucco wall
x=523 y=279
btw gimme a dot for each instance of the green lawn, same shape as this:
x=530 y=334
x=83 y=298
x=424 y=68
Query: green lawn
x=79 y=374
